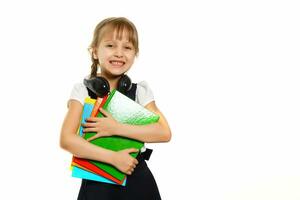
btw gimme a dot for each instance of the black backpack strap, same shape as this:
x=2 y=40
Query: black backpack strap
x=146 y=154
x=91 y=94
x=132 y=92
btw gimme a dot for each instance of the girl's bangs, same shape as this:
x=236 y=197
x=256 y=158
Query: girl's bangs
x=120 y=30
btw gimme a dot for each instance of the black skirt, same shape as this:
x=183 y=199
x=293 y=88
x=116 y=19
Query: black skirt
x=140 y=185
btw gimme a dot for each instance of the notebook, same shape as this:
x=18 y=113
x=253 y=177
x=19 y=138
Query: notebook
x=124 y=110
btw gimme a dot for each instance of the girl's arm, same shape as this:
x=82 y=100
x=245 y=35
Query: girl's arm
x=81 y=148
x=157 y=132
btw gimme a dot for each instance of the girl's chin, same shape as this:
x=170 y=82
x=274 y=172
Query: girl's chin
x=115 y=71
x=114 y=74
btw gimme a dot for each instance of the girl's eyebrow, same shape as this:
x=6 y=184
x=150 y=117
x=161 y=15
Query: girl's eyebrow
x=109 y=40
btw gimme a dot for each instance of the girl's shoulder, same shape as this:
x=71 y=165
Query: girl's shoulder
x=144 y=94
x=79 y=92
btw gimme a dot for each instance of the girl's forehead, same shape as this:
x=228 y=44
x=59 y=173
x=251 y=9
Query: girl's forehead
x=116 y=35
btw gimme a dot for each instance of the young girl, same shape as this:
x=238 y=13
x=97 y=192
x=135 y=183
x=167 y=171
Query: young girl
x=113 y=50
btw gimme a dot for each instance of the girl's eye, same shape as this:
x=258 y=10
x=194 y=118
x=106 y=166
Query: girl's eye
x=109 y=45
x=128 y=47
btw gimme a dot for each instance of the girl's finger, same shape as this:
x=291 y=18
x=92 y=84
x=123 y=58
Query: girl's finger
x=92 y=119
x=88 y=124
x=94 y=137
x=85 y=130
x=131 y=150
x=105 y=113
x=129 y=172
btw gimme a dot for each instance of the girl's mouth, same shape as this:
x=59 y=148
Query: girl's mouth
x=117 y=63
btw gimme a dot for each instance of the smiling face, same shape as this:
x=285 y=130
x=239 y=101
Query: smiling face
x=115 y=53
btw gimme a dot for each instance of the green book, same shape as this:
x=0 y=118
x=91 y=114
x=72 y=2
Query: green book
x=125 y=111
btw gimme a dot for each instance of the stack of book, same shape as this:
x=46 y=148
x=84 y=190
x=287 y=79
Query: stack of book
x=124 y=110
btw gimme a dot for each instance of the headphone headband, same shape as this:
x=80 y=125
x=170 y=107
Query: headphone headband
x=100 y=86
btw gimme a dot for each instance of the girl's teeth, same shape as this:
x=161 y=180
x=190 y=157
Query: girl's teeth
x=117 y=63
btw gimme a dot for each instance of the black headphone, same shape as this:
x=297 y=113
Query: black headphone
x=100 y=86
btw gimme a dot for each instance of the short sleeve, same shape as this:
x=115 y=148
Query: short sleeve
x=144 y=94
x=79 y=93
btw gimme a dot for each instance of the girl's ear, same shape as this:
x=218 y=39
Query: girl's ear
x=93 y=53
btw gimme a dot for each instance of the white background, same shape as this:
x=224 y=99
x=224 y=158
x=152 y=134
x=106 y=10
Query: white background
x=224 y=73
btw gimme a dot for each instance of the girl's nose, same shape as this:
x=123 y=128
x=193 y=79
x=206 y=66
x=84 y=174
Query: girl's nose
x=118 y=53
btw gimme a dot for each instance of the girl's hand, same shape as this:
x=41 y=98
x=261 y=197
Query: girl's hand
x=104 y=126
x=124 y=161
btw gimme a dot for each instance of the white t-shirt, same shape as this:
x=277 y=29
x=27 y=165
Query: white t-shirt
x=144 y=94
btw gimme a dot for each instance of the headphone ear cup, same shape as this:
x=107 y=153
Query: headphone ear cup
x=124 y=84
x=98 y=85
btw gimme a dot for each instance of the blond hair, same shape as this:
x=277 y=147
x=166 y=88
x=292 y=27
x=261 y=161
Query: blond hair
x=112 y=24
